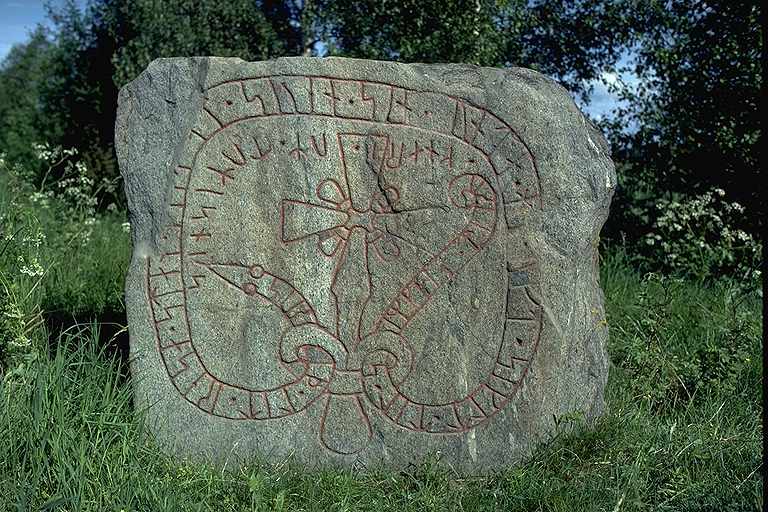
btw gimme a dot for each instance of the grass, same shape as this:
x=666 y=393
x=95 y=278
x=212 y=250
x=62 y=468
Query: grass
x=682 y=431
x=84 y=264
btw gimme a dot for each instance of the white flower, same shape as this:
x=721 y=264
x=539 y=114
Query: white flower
x=32 y=268
x=720 y=192
x=126 y=227
x=35 y=240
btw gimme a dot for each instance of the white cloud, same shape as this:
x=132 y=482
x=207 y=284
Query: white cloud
x=610 y=77
x=603 y=100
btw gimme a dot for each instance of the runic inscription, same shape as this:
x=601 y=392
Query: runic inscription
x=382 y=199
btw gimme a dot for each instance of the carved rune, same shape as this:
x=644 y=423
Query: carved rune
x=352 y=366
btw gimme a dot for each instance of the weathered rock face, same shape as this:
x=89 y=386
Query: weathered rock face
x=361 y=263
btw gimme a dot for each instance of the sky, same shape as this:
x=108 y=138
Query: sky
x=19 y=17
x=601 y=102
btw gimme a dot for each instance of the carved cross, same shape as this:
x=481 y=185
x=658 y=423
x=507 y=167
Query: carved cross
x=350 y=221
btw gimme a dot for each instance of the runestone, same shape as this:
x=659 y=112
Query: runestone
x=360 y=263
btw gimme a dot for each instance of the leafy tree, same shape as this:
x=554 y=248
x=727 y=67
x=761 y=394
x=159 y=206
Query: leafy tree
x=571 y=40
x=416 y=30
x=107 y=44
x=696 y=105
x=697 y=62
x=22 y=73
x=103 y=47
x=79 y=97
x=297 y=23
x=173 y=28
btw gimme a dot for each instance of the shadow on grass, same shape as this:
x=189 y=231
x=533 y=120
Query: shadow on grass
x=109 y=326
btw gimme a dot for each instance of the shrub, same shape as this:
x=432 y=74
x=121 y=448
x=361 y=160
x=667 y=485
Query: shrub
x=60 y=260
x=698 y=237
x=21 y=272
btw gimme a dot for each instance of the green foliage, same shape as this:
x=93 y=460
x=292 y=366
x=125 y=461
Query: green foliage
x=420 y=31
x=21 y=271
x=75 y=191
x=20 y=313
x=66 y=443
x=22 y=75
x=107 y=44
x=698 y=237
x=177 y=28
x=572 y=41
x=72 y=104
x=681 y=432
x=78 y=103
x=57 y=255
x=695 y=106
x=651 y=340
x=569 y=40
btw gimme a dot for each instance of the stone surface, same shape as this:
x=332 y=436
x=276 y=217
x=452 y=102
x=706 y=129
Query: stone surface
x=361 y=263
